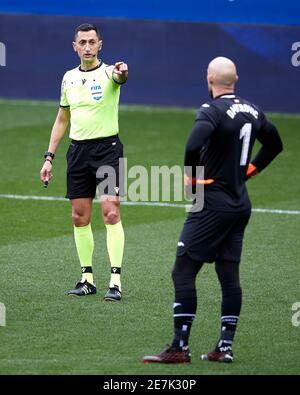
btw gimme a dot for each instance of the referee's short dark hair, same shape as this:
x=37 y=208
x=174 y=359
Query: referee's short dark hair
x=86 y=27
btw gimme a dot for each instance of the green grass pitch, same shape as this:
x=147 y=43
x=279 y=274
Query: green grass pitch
x=48 y=333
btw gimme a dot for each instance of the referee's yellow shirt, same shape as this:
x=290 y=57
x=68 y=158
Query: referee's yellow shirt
x=93 y=99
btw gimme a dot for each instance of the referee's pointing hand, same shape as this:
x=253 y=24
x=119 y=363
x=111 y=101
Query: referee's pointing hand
x=121 y=68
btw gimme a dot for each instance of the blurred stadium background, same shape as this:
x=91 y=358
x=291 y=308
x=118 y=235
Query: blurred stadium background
x=167 y=45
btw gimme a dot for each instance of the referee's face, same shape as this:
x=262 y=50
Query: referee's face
x=87 y=45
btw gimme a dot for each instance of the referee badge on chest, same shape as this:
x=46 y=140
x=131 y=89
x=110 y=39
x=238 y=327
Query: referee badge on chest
x=96 y=92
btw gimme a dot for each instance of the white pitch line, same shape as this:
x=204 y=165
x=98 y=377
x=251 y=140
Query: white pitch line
x=32 y=197
x=153 y=204
x=274 y=211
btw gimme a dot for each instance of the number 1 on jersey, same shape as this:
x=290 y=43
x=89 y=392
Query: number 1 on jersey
x=245 y=134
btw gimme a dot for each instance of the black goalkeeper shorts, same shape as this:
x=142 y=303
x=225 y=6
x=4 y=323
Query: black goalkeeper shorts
x=95 y=163
x=210 y=235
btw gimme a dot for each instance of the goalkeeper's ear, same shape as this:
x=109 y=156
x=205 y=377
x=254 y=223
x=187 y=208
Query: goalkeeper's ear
x=251 y=171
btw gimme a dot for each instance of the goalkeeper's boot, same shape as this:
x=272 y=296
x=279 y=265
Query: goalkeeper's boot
x=218 y=355
x=83 y=288
x=113 y=294
x=170 y=355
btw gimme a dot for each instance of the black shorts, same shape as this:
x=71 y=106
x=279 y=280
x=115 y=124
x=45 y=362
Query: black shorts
x=210 y=235
x=93 y=163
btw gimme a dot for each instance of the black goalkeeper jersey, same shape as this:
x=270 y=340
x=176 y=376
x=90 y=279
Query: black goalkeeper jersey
x=221 y=140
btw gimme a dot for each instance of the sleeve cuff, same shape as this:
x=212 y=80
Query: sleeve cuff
x=251 y=171
x=117 y=82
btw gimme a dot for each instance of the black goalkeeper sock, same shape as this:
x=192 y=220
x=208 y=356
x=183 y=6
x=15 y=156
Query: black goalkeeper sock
x=184 y=315
x=231 y=307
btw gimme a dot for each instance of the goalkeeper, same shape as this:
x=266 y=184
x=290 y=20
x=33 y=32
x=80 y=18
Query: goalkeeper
x=221 y=140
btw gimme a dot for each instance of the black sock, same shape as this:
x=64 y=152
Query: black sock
x=184 y=276
x=231 y=307
x=184 y=314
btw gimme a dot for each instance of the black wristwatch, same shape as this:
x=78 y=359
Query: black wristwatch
x=49 y=154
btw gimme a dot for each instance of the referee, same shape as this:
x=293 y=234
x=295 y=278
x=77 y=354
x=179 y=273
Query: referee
x=221 y=140
x=89 y=101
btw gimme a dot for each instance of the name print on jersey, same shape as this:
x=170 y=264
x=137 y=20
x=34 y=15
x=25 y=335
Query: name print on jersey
x=236 y=108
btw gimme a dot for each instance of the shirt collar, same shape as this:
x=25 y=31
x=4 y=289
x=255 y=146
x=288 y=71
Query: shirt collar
x=225 y=96
x=95 y=68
